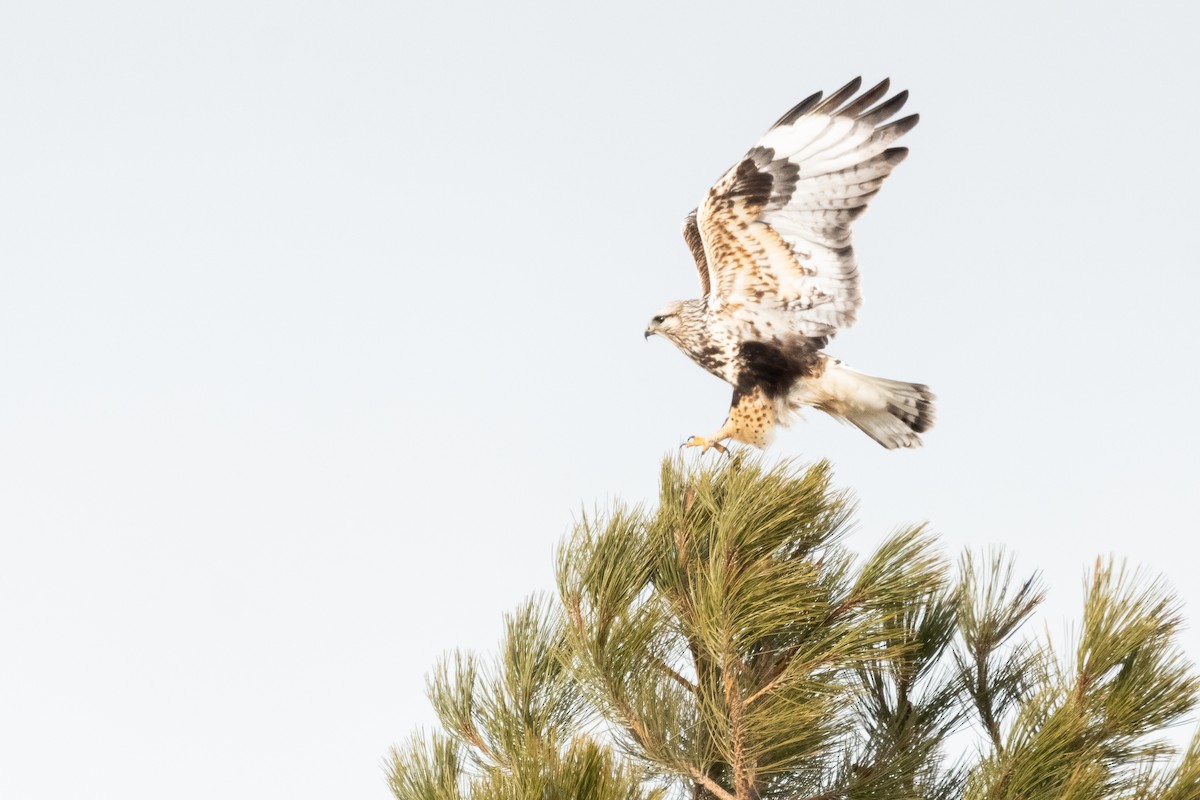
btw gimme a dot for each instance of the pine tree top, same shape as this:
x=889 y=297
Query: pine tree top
x=728 y=644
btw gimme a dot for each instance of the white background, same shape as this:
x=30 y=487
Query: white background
x=319 y=322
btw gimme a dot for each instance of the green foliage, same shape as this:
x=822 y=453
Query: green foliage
x=730 y=637
x=728 y=645
x=1089 y=728
x=513 y=729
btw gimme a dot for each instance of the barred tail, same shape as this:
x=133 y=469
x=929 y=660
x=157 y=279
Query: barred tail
x=890 y=412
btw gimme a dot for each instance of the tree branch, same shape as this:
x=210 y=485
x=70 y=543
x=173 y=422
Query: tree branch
x=665 y=668
x=742 y=773
x=470 y=734
x=708 y=783
x=983 y=700
x=766 y=689
x=779 y=668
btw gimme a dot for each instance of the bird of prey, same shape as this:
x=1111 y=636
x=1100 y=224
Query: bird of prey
x=772 y=244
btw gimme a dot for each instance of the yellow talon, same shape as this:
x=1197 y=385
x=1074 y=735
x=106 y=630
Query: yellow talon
x=704 y=444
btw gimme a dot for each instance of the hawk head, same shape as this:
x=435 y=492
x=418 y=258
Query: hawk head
x=666 y=321
x=682 y=322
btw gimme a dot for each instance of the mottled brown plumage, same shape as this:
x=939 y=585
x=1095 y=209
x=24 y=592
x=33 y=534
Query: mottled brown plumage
x=779 y=275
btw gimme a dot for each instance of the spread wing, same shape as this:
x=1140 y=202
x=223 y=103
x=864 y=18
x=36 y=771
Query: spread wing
x=691 y=235
x=775 y=229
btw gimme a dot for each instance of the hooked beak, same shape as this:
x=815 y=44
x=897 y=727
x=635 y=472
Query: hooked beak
x=649 y=333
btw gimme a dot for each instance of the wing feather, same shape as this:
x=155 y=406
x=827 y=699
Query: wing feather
x=835 y=100
x=798 y=110
x=885 y=110
x=774 y=233
x=691 y=235
x=864 y=100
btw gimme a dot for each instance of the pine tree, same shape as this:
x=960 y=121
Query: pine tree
x=729 y=645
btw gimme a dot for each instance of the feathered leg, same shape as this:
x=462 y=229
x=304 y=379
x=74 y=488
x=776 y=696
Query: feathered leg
x=752 y=417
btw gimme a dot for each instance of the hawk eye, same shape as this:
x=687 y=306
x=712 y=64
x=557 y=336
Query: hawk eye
x=658 y=320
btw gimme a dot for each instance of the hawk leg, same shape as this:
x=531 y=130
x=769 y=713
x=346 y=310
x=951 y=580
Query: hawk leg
x=707 y=443
x=751 y=419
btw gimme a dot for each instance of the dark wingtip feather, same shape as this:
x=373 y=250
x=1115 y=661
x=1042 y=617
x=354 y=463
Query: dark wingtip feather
x=799 y=110
x=864 y=100
x=902 y=126
x=885 y=110
x=843 y=94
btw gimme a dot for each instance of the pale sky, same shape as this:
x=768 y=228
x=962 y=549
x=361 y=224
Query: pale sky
x=319 y=322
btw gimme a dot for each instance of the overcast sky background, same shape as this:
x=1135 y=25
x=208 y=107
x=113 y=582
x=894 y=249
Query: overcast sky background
x=320 y=321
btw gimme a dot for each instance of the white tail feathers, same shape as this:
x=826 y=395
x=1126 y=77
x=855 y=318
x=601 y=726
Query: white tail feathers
x=890 y=412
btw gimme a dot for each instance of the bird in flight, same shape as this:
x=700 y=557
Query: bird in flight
x=772 y=244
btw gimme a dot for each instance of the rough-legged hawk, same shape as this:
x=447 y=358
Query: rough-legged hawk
x=772 y=243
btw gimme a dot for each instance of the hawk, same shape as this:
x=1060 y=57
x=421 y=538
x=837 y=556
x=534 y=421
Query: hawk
x=772 y=245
